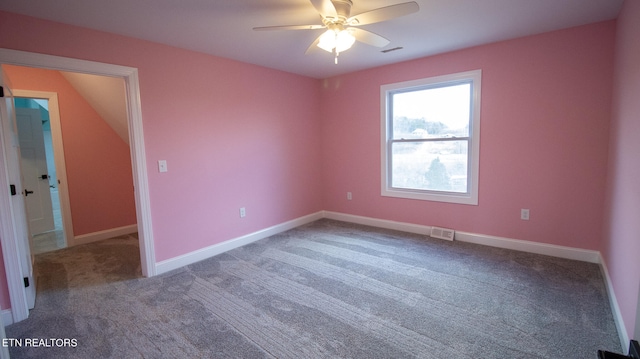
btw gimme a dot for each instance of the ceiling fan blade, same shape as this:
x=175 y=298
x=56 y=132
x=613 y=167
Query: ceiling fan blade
x=289 y=27
x=313 y=46
x=369 y=37
x=384 y=13
x=325 y=8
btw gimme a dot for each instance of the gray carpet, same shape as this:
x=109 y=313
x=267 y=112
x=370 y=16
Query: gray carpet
x=327 y=289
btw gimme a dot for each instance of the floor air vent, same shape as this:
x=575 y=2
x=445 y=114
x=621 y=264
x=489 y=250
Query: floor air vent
x=442 y=233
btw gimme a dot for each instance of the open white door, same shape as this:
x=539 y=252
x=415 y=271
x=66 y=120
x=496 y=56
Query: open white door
x=34 y=170
x=15 y=231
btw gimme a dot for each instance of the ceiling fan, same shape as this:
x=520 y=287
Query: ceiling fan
x=342 y=28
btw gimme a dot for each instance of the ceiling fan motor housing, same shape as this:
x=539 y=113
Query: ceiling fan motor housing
x=343 y=8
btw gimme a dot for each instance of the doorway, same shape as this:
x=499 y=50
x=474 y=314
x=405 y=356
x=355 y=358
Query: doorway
x=11 y=244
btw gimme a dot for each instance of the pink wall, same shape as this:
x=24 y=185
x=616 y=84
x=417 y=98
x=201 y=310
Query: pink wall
x=544 y=135
x=621 y=247
x=97 y=160
x=234 y=135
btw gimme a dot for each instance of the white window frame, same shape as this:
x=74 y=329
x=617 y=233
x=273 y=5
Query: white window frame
x=471 y=196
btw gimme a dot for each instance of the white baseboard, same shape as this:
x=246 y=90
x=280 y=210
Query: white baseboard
x=615 y=308
x=380 y=223
x=6 y=316
x=584 y=255
x=487 y=240
x=106 y=234
x=208 y=252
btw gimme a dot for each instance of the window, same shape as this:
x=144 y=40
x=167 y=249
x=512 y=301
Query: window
x=431 y=138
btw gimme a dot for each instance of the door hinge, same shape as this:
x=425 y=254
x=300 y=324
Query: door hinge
x=12 y=189
x=1 y=91
x=26 y=282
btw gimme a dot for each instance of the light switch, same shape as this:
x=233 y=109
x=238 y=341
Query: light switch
x=162 y=166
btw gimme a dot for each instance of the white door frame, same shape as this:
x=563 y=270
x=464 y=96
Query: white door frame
x=13 y=223
x=138 y=158
x=58 y=154
x=636 y=332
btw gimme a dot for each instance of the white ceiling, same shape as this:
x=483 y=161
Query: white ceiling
x=224 y=27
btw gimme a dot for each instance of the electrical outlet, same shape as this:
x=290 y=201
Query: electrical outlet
x=243 y=212
x=524 y=214
x=349 y=196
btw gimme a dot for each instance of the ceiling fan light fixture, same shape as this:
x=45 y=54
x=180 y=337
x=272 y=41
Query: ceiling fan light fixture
x=344 y=40
x=342 y=28
x=327 y=41
x=340 y=40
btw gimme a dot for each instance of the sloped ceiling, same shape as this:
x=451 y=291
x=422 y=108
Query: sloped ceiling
x=106 y=95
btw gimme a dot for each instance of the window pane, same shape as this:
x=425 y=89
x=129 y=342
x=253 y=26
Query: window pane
x=434 y=166
x=440 y=112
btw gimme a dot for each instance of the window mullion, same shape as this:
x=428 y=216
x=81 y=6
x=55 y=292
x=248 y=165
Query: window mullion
x=443 y=139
